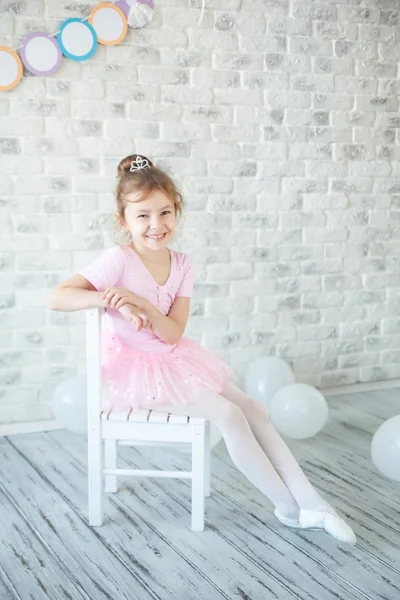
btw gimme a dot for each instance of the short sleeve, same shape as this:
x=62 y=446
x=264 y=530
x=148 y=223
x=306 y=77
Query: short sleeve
x=186 y=287
x=106 y=270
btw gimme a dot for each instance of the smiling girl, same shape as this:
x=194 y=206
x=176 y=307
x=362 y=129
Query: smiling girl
x=145 y=288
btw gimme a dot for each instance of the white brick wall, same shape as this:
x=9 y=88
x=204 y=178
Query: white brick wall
x=279 y=118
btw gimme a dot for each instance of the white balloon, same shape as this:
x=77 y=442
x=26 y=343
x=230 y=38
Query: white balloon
x=299 y=411
x=385 y=448
x=266 y=376
x=70 y=405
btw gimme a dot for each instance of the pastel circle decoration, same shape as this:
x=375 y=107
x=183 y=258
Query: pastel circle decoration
x=109 y=23
x=77 y=39
x=149 y=3
x=41 y=54
x=138 y=12
x=11 y=69
x=122 y=5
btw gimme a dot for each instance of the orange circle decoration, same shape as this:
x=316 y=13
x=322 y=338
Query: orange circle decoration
x=11 y=69
x=109 y=23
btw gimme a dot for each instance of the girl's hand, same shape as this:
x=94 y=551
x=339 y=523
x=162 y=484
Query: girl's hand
x=116 y=297
x=137 y=317
x=131 y=316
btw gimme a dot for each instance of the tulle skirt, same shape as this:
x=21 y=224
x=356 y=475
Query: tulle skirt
x=133 y=378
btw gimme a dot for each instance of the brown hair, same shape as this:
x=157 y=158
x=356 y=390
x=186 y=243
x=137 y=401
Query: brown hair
x=142 y=182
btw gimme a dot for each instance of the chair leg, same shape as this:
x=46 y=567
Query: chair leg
x=207 y=468
x=198 y=477
x=95 y=476
x=110 y=461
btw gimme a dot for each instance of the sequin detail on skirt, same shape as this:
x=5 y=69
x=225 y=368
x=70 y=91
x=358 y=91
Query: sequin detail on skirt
x=132 y=378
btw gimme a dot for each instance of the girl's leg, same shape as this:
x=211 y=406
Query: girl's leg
x=275 y=448
x=242 y=446
x=314 y=511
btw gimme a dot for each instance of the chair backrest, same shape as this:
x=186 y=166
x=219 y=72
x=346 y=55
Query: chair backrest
x=93 y=365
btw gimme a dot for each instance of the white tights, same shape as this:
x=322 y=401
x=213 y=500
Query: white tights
x=256 y=448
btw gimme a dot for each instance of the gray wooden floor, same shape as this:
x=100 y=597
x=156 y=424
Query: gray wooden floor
x=145 y=550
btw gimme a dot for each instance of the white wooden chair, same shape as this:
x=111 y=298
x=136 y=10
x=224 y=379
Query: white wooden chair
x=137 y=428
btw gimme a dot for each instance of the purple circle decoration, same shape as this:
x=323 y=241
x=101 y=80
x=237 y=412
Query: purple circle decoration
x=149 y=3
x=123 y=6
x=41 y=54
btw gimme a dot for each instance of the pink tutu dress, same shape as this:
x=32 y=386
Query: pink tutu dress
x=139 y=369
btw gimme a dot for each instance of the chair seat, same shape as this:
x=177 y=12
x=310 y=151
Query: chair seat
x=143 y=415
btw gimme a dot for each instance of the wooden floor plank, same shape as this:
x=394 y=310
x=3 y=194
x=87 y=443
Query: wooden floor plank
x=146 y=547
x=377 y=516
x=370 y=521
x=369 y=500
x=341 y=463
x=6 y=587
x=197 y=548
x=168 y=574
x=381 y=404
x=29 y=566
x=71 y=540
x=349 y=564
x=269 y=550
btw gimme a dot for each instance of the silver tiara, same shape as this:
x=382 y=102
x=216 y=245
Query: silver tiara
x=139 y=163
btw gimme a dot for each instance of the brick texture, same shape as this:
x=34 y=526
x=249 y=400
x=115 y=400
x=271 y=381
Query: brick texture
x=279 y=120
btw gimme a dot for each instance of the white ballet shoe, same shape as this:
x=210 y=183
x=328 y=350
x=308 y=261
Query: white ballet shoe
x=314 y=520
x=292 y=522
x=285 y=520
x=330 y=521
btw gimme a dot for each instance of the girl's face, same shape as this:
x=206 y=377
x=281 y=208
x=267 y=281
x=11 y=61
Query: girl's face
x=151 y=222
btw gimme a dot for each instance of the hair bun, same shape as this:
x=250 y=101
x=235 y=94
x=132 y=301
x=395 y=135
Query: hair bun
x=125 y=165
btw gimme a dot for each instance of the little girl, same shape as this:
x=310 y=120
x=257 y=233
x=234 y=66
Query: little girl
x=146 y=288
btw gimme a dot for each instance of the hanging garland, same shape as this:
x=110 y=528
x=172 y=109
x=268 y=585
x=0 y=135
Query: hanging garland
x=76 y=39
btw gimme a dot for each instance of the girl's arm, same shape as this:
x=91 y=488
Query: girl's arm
x=170 y=329
x=76 y=293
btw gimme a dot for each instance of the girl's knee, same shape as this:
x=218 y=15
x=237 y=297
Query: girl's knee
x=255 y=411
x=252 y=408
x=230 y=413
